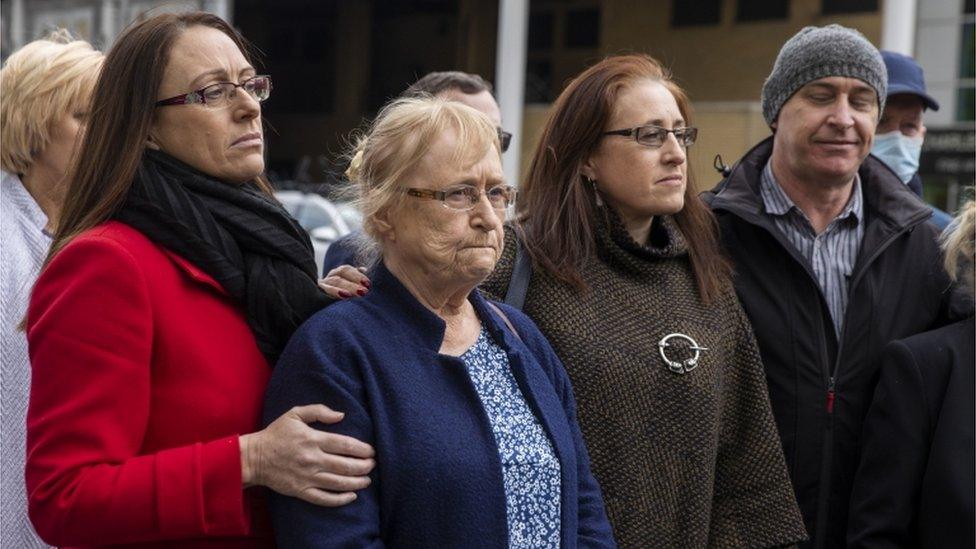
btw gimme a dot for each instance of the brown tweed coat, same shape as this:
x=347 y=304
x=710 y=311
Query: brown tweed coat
x=684 y=460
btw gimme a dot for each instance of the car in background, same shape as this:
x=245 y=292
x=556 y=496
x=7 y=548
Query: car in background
x=324 y=220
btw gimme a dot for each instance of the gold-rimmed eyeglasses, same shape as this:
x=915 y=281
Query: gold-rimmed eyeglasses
x=465 y=197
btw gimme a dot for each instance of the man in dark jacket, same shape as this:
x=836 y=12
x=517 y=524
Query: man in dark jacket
x=833 y=259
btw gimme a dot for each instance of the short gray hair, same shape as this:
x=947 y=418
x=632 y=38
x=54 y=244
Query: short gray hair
x=395 y=144
x=434 y=83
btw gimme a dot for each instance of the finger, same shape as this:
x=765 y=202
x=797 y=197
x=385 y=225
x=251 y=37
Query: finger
x=346 y=285
x=317 y=412
x=334 y=291
x=343 y=465
x=342 y=445
x=351 y=274
x=326 y=499
x=340 y=483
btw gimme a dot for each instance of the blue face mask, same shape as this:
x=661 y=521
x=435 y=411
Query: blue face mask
x=899 y=152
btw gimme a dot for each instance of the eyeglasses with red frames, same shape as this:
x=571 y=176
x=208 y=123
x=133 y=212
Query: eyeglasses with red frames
x=465 y=197
x=220 y=94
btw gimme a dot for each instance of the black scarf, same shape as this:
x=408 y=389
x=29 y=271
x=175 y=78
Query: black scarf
x=241 y=237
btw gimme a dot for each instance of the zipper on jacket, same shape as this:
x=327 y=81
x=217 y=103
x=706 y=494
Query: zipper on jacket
x=830 y=395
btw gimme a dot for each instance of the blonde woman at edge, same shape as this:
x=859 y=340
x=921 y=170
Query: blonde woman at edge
x=45 y=87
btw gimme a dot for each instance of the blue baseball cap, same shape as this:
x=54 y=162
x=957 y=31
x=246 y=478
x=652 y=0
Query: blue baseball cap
x=905 y=76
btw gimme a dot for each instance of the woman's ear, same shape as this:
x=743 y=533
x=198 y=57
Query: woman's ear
x=384 y=228
x=589 y=169
x=151 y=142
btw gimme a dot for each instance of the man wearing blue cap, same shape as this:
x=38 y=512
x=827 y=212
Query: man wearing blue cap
x=898 y=139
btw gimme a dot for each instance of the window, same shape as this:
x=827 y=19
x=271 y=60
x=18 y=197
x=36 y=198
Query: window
x=582 y=28
x=966 y=92
x=564 y=37
x=700 y=12
x=965 y=99
x=538 y=80
x=301 y=57
x=762 y=10
x=540 y=31
x=836 y=7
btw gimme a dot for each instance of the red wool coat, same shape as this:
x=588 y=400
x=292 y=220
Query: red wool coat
x=144 y=374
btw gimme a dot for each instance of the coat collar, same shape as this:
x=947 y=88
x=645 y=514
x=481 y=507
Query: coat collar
x=886 y=198
x=403 y=312
x=16 y=193
x=194 y=272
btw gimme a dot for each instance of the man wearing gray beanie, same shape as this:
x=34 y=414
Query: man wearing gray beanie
x=833 y=259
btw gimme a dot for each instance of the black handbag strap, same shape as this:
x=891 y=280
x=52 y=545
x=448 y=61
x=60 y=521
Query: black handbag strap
x=518 y=286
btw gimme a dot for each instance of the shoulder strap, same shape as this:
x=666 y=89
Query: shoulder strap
x=504 y=318
x=518 y=286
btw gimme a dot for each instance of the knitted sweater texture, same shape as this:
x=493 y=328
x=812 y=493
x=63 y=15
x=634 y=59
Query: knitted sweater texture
x=684 y=460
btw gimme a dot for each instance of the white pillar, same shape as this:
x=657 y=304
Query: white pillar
x=898 y=26
x=221 y=8
x=108 y=22
x=18 y=25
x=513 y=32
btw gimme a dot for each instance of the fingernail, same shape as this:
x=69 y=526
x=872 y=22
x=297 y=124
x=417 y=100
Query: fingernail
x=367 y=284
x=344 y=294
x=361 y=292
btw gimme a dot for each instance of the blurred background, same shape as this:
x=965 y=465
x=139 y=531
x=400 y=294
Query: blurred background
x=335 y=62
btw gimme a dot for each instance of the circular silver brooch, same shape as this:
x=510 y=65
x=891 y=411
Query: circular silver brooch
x=680 y=366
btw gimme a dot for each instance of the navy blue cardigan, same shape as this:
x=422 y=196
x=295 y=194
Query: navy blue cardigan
x=438 y=479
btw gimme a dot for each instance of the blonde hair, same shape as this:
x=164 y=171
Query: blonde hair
x=959 y=245
x=395 y=144
x=40 y=83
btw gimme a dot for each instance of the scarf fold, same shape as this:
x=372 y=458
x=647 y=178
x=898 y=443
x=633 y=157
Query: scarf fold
x=235 y=233
x=618 y=248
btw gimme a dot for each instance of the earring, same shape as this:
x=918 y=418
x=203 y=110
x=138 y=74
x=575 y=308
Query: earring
x=596 y=192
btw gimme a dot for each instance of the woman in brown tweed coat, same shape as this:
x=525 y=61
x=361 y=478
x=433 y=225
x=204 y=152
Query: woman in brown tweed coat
x=629 y=285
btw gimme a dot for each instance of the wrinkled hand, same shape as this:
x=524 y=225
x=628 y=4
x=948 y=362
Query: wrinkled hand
x=294 y=459
x=345 y=281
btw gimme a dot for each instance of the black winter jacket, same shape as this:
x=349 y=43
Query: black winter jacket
x=914 y=486
x=820 y=388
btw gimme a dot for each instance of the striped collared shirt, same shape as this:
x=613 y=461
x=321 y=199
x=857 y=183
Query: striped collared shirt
x=832 y=253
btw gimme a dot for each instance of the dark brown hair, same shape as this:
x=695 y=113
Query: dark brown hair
x=560 y=212
x=122 y=112
x=434 y=83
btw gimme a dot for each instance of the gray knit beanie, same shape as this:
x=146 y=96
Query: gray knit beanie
x=819 y=52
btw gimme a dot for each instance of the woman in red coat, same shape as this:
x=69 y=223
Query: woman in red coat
x=173 y=281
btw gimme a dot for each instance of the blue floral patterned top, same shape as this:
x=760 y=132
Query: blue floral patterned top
x=530 y=469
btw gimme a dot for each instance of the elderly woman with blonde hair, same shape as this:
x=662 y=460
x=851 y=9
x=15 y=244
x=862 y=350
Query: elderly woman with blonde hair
x=46 y=86
x=471 y=413
x=914 y=484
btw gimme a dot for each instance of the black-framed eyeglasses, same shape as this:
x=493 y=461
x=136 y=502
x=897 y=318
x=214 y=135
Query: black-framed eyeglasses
x=504 y=139
x=655 y=136
x=465 y=197
x=220 y=94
